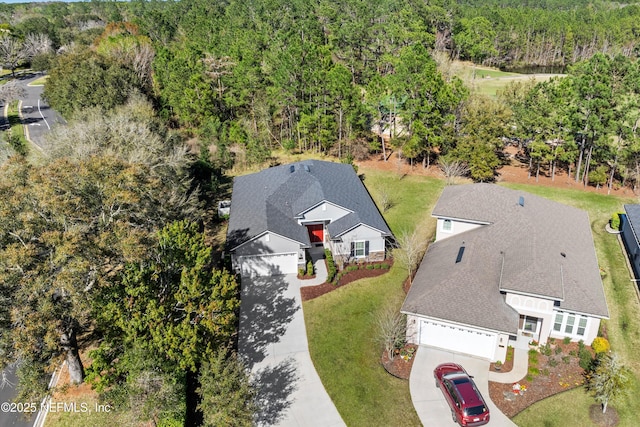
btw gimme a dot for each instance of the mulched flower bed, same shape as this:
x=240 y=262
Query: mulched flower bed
x=310 y=292
x=551 y=375
x=399 y=367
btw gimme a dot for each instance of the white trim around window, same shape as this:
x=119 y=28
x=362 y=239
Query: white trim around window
x=570 y=324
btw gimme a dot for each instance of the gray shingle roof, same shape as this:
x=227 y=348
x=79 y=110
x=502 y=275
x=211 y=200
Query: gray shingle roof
x=542 y=248
x=271 y=199
x=633 y=216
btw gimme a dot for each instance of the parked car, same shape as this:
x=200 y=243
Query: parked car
x=468 y=408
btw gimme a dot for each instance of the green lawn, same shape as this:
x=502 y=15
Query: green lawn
x=490 y=81
x=341 y=329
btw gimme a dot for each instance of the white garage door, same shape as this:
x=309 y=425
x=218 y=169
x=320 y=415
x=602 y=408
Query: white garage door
x=458 y=339
x=269 y=265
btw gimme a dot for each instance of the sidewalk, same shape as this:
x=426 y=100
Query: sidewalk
x=518 y=372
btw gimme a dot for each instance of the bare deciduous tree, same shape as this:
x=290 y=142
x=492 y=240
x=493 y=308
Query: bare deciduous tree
x=12 y=52
x=10 y=91
x=37 y=44
x=126 y=133
x=386 y=201
x=392 y=330
x=452 y=170
x=410 y=250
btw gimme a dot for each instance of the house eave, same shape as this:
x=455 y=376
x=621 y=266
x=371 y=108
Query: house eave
x=300 y=215
x=302 y=244
x=465 y=325
x=338 y=237
x=528 y=294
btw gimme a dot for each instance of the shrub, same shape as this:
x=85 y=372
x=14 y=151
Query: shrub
x=557 y=350
x=370 y=267
x=552 y=362
x=377 y=266
x=566 y=340
x=615 y=220
x=309 y=268
x=331 y=265
x=545 y=372
x=586 y=360
x=385 y=266
x=546 y=349
x=301 y=272
x=600 y=345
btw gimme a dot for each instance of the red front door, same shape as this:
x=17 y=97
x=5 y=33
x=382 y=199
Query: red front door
x=316 y=233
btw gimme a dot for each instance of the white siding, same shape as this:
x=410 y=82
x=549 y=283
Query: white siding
x=323 y=212
x=535 y=307
x=457 y=227
x=545 y=310
x=360 y=233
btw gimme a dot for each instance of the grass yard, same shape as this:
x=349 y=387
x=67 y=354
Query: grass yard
x=490 y=81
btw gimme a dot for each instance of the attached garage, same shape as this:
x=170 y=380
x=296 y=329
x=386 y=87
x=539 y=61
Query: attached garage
x=458 y=338
x=268 y=265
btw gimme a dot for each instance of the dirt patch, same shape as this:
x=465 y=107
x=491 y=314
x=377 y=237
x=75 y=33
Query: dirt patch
x=515 y=171
x=608 y=419
x=551 y=375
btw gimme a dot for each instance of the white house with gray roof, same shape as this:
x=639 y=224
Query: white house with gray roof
x=280 y=212
x=507 y=268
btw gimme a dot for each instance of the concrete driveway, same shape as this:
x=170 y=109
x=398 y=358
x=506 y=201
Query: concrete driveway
x=272 y=339
x=430 y=404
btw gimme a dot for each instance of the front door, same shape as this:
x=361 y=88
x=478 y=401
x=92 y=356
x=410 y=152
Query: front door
x=316 y=233
x=530 y=327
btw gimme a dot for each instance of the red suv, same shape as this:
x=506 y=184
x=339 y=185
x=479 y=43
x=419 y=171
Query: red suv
x=466 y=402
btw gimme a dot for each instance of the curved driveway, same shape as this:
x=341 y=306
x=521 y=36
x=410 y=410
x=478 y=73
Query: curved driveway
x=272 y=340
x=430 y=404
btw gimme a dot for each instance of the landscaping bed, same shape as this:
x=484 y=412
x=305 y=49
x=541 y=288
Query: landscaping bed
x=400 y=366
x=310 y=292
x=552 y=374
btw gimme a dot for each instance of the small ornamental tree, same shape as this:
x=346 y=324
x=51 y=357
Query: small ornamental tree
x=609 y=380
x=411 y=250
x=391 y=330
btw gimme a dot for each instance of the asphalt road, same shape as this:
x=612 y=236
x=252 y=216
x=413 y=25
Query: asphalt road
x=37 y=117
x=12 y=413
